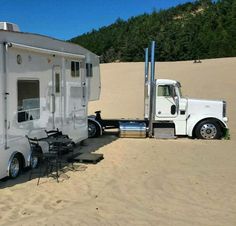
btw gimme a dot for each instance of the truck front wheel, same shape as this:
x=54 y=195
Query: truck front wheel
x=208 y=130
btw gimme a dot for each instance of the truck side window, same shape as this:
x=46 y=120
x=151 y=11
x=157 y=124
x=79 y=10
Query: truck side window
x=75 y=69
x=28 y=105
x=89 y=70
x=164 y=90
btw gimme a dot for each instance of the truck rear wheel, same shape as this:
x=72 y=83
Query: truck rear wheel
x=93 y=129
x=208 y=130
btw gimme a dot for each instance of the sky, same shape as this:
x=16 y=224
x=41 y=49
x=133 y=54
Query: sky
x=64 y=20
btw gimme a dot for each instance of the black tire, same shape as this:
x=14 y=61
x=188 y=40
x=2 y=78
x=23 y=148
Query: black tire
x=15 y=167
x=93 y=129
x=35 y=159
x=208 y=130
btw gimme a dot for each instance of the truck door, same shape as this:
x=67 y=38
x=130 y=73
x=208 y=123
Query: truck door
x=166 y=102
x=58 y=99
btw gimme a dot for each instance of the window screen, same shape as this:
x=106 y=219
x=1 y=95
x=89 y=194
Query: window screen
x=57 y=83
x=28 y=105
x=75 y=69
x=89 y=70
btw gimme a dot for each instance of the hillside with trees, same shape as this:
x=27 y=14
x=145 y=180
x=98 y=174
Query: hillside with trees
x=202 y=29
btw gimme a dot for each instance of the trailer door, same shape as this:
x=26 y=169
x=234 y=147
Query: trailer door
x=58 y=98
x=77 y=99
x=80 y=112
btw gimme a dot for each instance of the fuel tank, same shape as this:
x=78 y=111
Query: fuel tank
x=132 y=129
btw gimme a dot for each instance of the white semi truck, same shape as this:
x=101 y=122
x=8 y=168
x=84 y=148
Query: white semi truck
x=167 y=113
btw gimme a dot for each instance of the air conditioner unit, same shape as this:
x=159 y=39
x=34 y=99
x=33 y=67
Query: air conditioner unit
x=9 y=26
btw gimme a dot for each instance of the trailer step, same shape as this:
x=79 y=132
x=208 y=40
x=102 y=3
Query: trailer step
x=89 y=158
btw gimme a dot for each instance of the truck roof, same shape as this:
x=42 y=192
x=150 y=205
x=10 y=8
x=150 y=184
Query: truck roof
x=166 y=81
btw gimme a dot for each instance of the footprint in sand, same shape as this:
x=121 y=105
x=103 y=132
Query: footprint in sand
x=5 y=208
x=47 y=206
x=25 y=212
x=38 y=199
x=58 y=204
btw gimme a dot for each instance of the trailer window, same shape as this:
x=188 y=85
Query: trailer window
x=75 y=69
x=57 y=83
x=28 y=105
x=89 y=70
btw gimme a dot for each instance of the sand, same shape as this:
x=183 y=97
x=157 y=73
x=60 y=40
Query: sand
x=141 y=181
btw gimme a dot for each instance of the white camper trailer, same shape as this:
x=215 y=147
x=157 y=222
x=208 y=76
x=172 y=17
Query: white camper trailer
x=44 y=84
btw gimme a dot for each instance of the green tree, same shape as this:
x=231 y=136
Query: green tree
x=200 y=29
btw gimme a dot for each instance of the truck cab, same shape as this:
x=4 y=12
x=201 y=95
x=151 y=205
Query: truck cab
x=204 y=119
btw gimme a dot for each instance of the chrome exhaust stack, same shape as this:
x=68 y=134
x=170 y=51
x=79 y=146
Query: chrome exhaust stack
x=152 y=90
x=146 y=86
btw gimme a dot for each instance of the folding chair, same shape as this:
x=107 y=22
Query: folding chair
x=57 y=133
x=54 y=133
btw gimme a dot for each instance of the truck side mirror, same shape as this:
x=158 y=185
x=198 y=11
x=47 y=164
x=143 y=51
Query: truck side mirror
x=173 y=93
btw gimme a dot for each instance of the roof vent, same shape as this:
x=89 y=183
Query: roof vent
x=8 y=26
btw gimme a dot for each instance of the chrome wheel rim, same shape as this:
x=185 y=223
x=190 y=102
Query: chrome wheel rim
x=91 y=130
x=208 y=131
x=14 y=167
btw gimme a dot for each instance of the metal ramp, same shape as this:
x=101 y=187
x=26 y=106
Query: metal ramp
x=89 y=158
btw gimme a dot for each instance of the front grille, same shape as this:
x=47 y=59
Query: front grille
x=224 y=108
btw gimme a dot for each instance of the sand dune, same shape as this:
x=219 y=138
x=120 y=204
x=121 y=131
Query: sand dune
x=141 y=181
x=122 y=85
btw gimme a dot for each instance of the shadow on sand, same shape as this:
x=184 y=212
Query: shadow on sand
x=93 y=144
x=87 y=146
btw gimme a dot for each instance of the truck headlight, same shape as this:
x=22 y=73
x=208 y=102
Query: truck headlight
x=224 y=108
